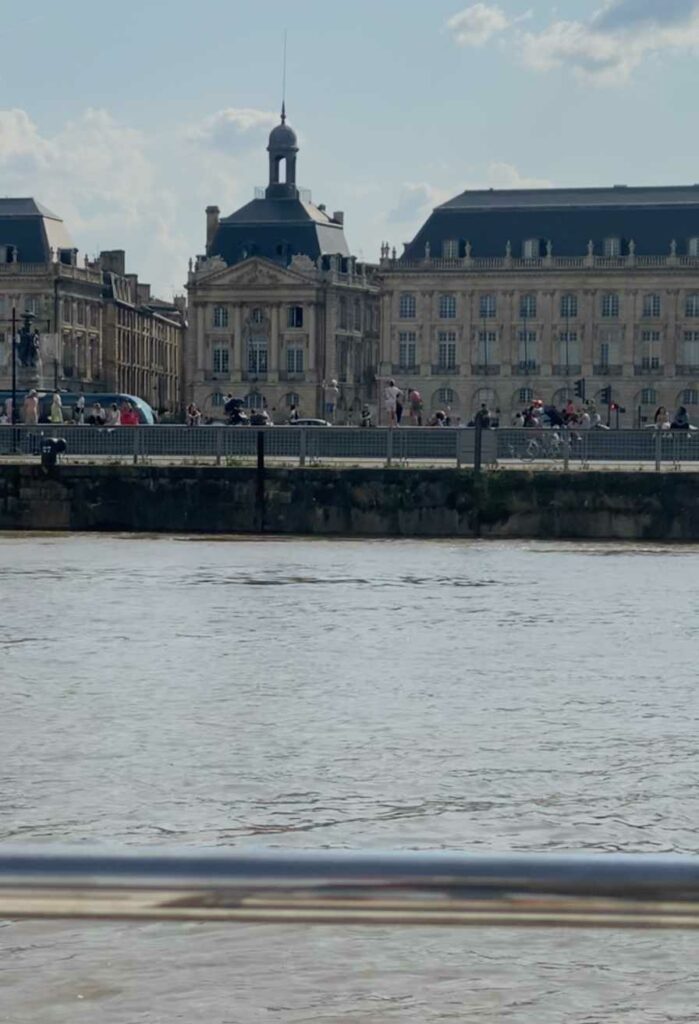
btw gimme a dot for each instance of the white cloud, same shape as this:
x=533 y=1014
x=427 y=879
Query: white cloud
x=234 y=129
x=475 y=25
x=609 y=46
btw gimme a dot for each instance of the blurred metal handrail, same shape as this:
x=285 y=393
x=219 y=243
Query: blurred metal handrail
x=420 y=888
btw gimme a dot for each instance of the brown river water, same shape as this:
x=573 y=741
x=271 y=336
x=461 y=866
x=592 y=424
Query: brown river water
x=344 y=694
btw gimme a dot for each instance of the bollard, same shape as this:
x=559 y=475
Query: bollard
x=389 y=446
x=302 y=446
x=566 y=448
x=658 y=450
x=260 y=489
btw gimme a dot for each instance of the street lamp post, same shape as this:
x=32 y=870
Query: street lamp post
x=14 y=365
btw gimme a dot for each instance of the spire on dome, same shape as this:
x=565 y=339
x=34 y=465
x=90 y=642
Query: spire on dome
x=283 y=112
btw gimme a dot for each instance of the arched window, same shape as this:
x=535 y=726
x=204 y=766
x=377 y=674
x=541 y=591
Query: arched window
x=690 y=396
x=217 y=400
x=525 y=395
x=407 y=306
x=220 y=316
x=292 y=399
x=649 y=396
x=446 y=396
x=255 y=400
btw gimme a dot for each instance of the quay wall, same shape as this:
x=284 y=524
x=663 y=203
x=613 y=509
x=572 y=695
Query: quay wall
x=353 y=502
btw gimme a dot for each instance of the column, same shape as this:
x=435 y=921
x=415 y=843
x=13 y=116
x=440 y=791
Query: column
x=311 y=369
x=273 y=354
x=201 y=358
x=238 y=346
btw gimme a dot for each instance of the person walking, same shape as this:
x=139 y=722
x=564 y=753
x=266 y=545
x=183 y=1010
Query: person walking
x=332 y=395
x=56 y=414
x=30 y=408
x=79 y=410
x=391 y=396
x=415 y=403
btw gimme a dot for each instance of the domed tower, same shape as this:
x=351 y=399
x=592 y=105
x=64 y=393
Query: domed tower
x=282 y=149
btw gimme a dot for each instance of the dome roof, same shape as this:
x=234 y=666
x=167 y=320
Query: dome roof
x=283 y=136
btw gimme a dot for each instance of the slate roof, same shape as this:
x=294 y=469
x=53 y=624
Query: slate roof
x=32 y=228
x=569 y=218
x=277 y=229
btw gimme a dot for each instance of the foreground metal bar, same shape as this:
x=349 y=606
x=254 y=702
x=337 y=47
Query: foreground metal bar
x=337 y=887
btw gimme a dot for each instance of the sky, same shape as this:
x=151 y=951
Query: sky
x=128 y=120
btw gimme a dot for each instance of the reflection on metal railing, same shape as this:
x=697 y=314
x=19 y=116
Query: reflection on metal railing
x=430 y=888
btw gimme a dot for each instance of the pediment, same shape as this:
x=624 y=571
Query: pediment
x=259 y=273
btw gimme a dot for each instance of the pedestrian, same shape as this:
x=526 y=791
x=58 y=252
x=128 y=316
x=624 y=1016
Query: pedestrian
x=391 y=395
x=482 y=417
x=415 y=403
x=30 y=408
x=681 y=420
x=331 y=397
x=113 y=418
x=293 y=414
x=193 y=415
x=79 y=410
x=97 y=416
x=366 y=416
x=56 y=414
x=128 y=415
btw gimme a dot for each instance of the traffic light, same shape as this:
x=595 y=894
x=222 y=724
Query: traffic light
x=606 y=395
x=580 y=389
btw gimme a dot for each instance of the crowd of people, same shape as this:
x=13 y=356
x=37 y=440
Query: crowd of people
x=96 y=415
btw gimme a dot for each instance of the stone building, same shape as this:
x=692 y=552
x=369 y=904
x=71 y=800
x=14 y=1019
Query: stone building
x=142 y=337
x=40 y=274
x=278 y=305
x=506 y=296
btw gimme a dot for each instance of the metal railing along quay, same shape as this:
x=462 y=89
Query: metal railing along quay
x=416 y=888
x=505 y=447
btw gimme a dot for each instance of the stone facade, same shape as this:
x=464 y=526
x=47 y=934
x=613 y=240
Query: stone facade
x=66 y=300
x=143 y=338
x=507 y=330
x=273 y=334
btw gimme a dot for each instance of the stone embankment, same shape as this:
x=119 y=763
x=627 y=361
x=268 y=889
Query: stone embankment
x=353 y=502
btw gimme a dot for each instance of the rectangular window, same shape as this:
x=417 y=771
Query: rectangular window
x=569 y=306
x=220 y=360
x=527 y=349
x=531 y=249
x=487 y=348
x=691 y=307
x=80 y=311
x=527 y=307
x=257 y=354
x=450 y=249
x=487 y=307
x=447 y=349
x=612 y=247
x=568 y=348
x=407 y=307
x=447 y=307
x=651 y=305
x=294 y=360
x=650 y=350
x=295 y=316
x=690 y=348
x=610 y=305
x=357 y=315
x=407 y=350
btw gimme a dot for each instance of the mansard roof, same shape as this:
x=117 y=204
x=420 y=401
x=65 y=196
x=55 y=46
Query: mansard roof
x=32 y=229
x=567 y=217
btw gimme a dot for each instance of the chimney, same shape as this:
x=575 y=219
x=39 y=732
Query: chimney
x=212 y=215
x=114 y=261
x=339 y=217
x=143 y=292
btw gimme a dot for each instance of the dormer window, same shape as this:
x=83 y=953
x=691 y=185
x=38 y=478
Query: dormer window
x=450 y=249
x=531 y=249
x=693 y=247
x=612 y=247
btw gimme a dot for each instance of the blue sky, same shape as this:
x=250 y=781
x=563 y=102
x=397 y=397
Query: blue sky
x=128 y=120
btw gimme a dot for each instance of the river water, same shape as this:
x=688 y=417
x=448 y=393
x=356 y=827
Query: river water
x=375 y=695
